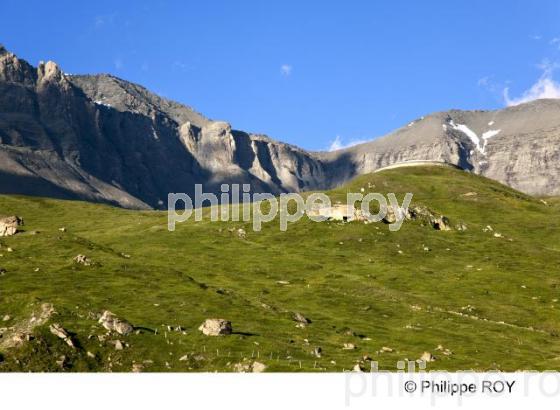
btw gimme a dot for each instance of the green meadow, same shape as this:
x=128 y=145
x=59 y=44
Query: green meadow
x=475 y=299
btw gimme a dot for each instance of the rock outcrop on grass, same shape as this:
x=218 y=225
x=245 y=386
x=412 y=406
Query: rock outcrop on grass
x=216 y=327
x=57 y=330
x=112 y=323
x=9 y=225
x=424 y=214
x=441 y=223
x=427 y=357
x=247 y=366
x=22 y=330
x=82 y=260
x=302 y=320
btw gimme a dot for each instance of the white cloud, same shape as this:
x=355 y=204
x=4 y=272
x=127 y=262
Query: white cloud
x=555 y=42
x=337 y=143
x=488 y=83
x=180 y=66
x=483 y=82
x=119 y=65
x=545 y=87
x=99 y=21
x=536 y=37
x=103 y=20
x=286 y=70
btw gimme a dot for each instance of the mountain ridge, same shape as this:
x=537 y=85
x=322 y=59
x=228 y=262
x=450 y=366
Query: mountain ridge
x=104 y=139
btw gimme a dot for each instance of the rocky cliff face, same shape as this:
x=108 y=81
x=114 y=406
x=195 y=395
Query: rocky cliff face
x=103 y=139
x=518 y=146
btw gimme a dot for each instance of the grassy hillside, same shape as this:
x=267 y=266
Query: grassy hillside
x=492 y=302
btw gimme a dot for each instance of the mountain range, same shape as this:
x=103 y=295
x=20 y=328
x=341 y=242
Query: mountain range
x=103 y=139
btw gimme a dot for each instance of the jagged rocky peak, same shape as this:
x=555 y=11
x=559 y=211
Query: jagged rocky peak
x=49 y=71
x=14 y=70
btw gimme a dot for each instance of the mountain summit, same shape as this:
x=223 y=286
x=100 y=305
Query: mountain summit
x=103 y=139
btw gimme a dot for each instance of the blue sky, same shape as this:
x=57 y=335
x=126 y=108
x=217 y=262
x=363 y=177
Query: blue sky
x=309 y=73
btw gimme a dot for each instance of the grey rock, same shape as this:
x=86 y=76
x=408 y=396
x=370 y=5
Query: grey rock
x=82 y=260
x=57 y=330
x=112 y=323
x=137 y=367
x=441 y=223
x=298 y=317
x=390 y=217
x=358 y=367
x=216 y=327
x=9 y=225
x=258 y=367
x=427 y=357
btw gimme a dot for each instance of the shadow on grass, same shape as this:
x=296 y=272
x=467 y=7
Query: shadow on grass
x=147 y=329
x=245 y=334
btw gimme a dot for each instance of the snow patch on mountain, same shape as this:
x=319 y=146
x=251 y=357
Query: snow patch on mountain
x=480 y=143
x=469 y=133
x=489 y=134
x=98 y=102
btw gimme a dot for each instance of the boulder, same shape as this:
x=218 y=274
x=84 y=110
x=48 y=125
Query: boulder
x=391 y=216
x=122 y=327
x=419 y=212
x=112 y=323
x=245 y=366
x=441 y=223
x=9 y=225
x=445 y=351
x=258 y=367
x=298 y=317
x=137 y=367
x=216 y=327
x=58 y=331
x=241 y=367
x=82 y=260
x=358 y=368
x=61 y=333
x=427 y=357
